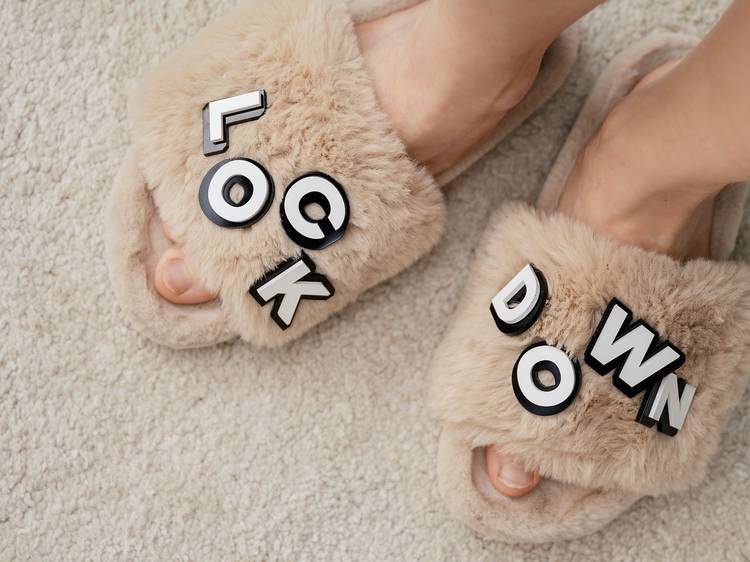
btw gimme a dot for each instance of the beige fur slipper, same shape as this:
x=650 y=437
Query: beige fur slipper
x=264 y=118
x=611 y=368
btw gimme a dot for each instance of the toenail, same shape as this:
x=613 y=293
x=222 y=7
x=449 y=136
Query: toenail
x=514 y=476
x=176 y=276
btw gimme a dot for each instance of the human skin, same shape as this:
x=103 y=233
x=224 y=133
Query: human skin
x=647 y=178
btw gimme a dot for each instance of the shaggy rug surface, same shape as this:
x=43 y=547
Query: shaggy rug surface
x=113 y=448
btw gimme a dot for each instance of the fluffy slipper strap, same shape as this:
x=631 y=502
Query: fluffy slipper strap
x=274 y=98
x=603 y=364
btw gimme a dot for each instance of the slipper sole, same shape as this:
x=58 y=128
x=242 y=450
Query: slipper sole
x=580 y=492
x=397 y=212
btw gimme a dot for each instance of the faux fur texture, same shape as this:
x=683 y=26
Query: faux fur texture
x=558 y=509
x=116 y=448
x=322 y=116
x=703 y=307
x=554 y=511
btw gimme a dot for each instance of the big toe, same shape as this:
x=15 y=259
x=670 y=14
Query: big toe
x=508 y=476
x=176 y=281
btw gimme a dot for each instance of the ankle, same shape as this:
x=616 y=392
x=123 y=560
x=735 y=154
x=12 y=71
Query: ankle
x=625 y=190
x=481 y=46
x=500 y=29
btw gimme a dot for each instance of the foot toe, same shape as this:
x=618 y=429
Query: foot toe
x=175 y=281
x=509 y=477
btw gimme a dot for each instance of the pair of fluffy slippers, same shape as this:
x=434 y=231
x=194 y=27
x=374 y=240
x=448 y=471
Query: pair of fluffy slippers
x=608 y=441
x=274 y=99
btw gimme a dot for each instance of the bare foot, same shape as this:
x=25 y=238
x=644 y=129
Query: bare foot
x=450 y=94
x=443 y=96
x=622 y=187
x=606 y=191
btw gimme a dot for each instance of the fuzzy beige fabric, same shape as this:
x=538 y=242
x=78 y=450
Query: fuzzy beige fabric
x=703 y=307
x=596 y=464
x=117 y=448
x=596 y=460
x=555 y=511
x=323 y=116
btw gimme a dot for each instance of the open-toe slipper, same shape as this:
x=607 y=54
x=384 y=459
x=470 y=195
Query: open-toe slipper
x=261 y=145
x=610 y=368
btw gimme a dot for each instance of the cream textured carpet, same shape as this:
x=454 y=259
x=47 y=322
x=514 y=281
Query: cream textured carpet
x=112 y=448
